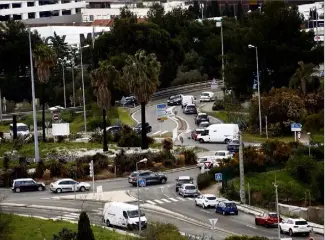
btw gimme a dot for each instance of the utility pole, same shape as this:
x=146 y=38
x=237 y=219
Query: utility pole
x=73 y=84
x=249 y=194
x=267 y=134
x=0 y=106
x=241 y=171
x=277 y=207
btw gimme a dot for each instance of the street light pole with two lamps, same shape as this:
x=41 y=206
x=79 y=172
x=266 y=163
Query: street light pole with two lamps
x=136 y=167
x=258 y=87
x=63 y=62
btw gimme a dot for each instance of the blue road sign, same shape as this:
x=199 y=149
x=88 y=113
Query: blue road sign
x=296 y=127
x=142 y=182
x=218 y=176
x=162 y=105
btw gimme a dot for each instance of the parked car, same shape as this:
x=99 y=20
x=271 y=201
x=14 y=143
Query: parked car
x=222 y=154
x=190 y=109
x=294 y=226
x=201 y=117
x=206 y=200
x=188 y=189
x=195 y=133
x=69 y=185
x=27 y=184
x=207 y=97
x=22 y=130
x=267 y=219
x=204 y=125
x=149 y=176
x=227 y=208
x=174 y=100
x=138 y=128
x=182 y=180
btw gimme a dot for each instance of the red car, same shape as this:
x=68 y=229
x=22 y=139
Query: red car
x=195 y=133
x=267 y=219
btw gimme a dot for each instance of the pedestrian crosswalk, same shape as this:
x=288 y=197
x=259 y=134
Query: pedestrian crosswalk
x=168 y=200
x=67 y=217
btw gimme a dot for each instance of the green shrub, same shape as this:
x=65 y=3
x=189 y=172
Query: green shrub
x=167 y=144
x=40 y=168
x=94 y=123
x=55 y=168
x=65 y=234
x=302 y=167
x=100 y=162
x=150 y=140
x=204 y=180
x=67 y=116
x=6 y=162
x=316 y=152
x=314 y=122
x=218 y=105
x=162 y=231
x=190 y=156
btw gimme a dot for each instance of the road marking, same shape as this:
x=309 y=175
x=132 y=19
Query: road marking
x=173 y=199
x=55 y=198
x=182 y=199
x=163 y=132
x=67 y=217
x=165 y=200
x=251 y=226
x=205 y=211
x=151 y=202
x=157 y=201
x=72 y=214
x=155 y=133
x=45 y=198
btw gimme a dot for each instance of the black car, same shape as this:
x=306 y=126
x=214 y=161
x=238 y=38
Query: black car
x=233 y=146
x=174 y=100
x=182 y=180
x=149 y=177
x=131 y=101
x=138 y=128
x=201 y=117
x=27 y=184
x=190 y=109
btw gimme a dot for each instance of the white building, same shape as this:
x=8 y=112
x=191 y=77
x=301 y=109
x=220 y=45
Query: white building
x=42 y=11
x=108 y=9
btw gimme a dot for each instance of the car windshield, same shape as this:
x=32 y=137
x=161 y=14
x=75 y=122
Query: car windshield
x=234 y=142
x=184 y=180
x=199 y=131
x=220 y=154
x=190 y=187
x=301 y=223
x=230 y=205
x=201 y=160
x=204 y=124
x=211 y=198
x=134 y=213
x=203 y=116
x=22 y=128
x=134 y=174
x=190 y=107
x=205 y=94
x=273 y=215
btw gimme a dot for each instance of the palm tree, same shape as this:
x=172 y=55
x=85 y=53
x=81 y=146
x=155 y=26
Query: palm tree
x=302 y=76
x=141 y=76
x=45 y=60
x=102 y=79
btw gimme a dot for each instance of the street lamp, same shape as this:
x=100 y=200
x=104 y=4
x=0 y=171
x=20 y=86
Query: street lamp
x=309 y=138
x=219 y=24
x=62 y=62
x=277 y=208
x=139 y=213
x=258 y=87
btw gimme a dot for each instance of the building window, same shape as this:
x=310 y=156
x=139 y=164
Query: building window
x=4 y=18
x=66 y=12
x=16 y=5
x=55 y=13
x=31 y=15
x=16 y=17
x=91 y=18
x=4 y=6
x=45 y=14
x=30 y=4
x=78 y=10
x=47 y=2
x=65 y=1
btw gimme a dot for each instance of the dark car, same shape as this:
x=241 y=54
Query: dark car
x=190 y=109
x=27 y=184
x=233 y=146
x=149 y=176
x=201 y=117
x=113 y=129
x=195 y=133
x=174 y=100
x=138 y=128
x=182 y=180
x=131 y=101
x=227 y=208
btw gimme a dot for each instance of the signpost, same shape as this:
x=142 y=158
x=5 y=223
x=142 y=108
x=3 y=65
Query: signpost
x=296 y=127
x=161 y=112
x=55 y=117
x=142 y=182
x=213 y=222
x=207 y=165
x=218 y=177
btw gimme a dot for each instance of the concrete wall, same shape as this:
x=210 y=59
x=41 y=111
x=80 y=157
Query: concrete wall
x=312 y=214
x=55 y=20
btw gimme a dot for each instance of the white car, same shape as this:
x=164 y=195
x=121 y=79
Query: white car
x=221 y=154
x=207 y=97
x=295 y=226
x=69 y=185
x=202 y=160
x=206 y=200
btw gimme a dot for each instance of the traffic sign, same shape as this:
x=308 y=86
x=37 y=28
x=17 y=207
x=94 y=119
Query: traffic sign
x=161 y=111
x=296 y=127
x=213 y=222
x=55 y=117
x=142 y=182
x=218 y=176
x=207 y=164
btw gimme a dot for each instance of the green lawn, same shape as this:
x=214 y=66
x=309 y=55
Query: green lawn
x=28 y=228
x=257 y=138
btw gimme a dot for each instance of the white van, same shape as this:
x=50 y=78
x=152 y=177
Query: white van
x=123 y=215
x=22 y=130
x=207 y=97
x=187 y=99
x=219 y=133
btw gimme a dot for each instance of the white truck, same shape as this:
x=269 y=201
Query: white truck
x=123 y=215
x=187 y=99
x=221 y=133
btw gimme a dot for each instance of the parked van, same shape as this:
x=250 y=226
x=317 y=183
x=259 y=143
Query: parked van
x=187 y=99
x=219 y=133
x=123 y=215
x=22 y=130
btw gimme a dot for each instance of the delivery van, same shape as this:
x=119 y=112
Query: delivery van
x=221 y=133
x=22 y=130
x=187 y=99
x=123 y=215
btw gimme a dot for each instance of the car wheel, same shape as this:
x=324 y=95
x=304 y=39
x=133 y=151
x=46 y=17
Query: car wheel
x=17 y=190
x=307 y=234
x=227 y=141
x=201 y=140
x=256 y=222
x=223 y=213
x=290 y=233
x=40 y=188
x=108 y=223
x=59 y=190
x=281 y=231
x=163 y=181
x=82 y=189
x=203 y=206
x=196 y=203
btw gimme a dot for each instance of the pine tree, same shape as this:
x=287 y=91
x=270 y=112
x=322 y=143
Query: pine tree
x=84 y=230
x=232 y=11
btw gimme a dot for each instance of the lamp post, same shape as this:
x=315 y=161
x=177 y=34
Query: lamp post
x=83 y=87
x=139 y=213
x=258 y=87
x=219 y=24
x=277 y=208
x=62 y=62
x=309 y=138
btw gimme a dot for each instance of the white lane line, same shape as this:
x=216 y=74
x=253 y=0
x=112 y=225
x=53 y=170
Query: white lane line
x=45 y=198
x=162 y=133
x=165 y=200
x=182 y=199
x=133 y=116
x=251 y=226
x=151 y=202
x=173 y=199
x=72 y=214
x=55 y=197
x=155 y=133
x=157 y=201
x=205 y=211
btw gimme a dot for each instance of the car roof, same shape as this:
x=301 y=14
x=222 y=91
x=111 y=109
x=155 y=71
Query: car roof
x=208 y=195
x=202 y=114
x=228 y=201
x=64 y=179
x=23 y=179
x=125 y=206
x=188 y=184
x=19 y=125
x=184 y=178
x=190 y=105
x=222 y=151
x=297 y=219
x=207 y=92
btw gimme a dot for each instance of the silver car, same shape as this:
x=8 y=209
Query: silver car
x=69 y=185
x=188 y=189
